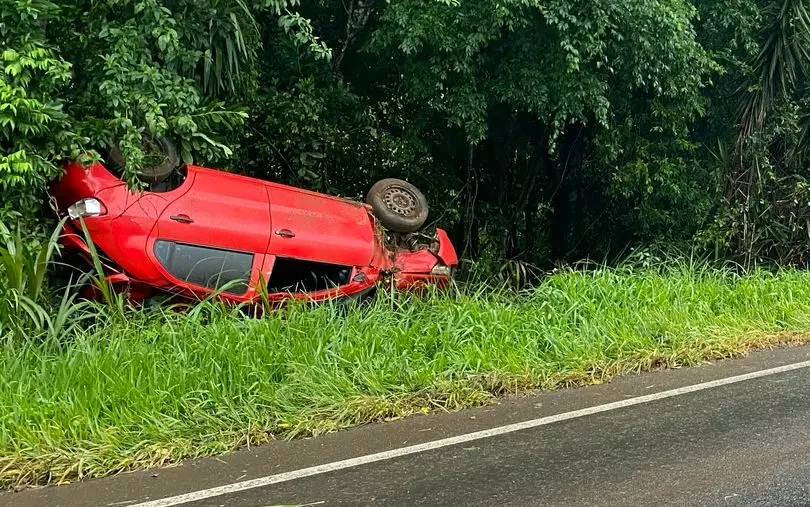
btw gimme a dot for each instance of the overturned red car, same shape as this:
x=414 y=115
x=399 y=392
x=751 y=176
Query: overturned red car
x=199 y=231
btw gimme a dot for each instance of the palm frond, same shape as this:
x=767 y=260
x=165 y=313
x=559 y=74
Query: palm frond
x=782 y=61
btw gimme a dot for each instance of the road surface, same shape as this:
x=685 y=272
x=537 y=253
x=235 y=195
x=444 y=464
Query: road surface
x=735 y=433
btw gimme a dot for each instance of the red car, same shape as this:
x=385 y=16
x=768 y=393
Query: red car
x=198 y=231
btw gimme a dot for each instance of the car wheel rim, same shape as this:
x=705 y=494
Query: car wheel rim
x=400 y=201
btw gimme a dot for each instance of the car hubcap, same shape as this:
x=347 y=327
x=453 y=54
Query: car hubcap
x=400 y=201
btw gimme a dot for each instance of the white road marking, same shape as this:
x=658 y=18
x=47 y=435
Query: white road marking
x=460 y=439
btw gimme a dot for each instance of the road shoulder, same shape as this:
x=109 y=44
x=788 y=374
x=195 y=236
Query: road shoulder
x=285 y=456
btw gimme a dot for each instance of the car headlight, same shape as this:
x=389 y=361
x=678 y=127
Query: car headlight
x=441 y=270
x=88 y=207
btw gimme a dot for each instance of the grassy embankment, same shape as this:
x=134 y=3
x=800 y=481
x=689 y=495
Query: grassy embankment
x=140 y=388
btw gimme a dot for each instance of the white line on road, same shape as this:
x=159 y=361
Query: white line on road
x=460 y=439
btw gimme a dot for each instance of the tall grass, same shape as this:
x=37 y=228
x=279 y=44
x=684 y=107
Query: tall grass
x=158 y=386
x=23 y=271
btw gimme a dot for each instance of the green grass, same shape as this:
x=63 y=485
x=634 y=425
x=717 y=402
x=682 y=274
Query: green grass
x=152 y=387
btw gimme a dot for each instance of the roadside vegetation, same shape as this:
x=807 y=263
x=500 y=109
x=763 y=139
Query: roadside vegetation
x=541 y=131
x=91 y=389
x=544 y=133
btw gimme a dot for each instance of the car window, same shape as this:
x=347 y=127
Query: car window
x=213 y=268
x=294 y=275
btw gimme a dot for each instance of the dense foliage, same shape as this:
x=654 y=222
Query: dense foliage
x=541 y=130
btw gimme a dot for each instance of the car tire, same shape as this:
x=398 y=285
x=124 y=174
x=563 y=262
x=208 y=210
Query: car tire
x=398 y=205
x=153 y=172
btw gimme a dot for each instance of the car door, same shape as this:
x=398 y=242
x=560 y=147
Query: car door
x=215 y=236
x=315 y=227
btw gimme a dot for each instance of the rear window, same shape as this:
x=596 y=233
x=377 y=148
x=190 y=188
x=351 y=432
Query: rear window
x=296 y=276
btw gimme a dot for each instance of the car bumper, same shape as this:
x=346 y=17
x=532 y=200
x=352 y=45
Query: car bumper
x=427 y=267
x=73 y=242
x=420 y=282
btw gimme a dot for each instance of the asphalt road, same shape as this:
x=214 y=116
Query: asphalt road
x=741 y=444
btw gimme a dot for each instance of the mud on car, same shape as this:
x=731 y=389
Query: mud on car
x=198 y=231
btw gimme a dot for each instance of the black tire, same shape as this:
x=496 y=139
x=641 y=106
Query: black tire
x=151 y=172
x=398 y=205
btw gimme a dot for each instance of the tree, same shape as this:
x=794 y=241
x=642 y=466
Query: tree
x=535 y=89
x=766 y=193
x=35 y=131
x=541 y=131
x=80 y=75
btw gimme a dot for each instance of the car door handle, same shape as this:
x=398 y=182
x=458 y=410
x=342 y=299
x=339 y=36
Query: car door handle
x=285 y=233
x=185 y=219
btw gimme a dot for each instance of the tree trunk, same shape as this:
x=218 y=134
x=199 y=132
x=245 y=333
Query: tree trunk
x=572 y=155
x=468 y=220
x=561 y=221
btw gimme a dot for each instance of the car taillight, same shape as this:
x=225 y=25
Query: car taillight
x=88 y=207
x=441 y=270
